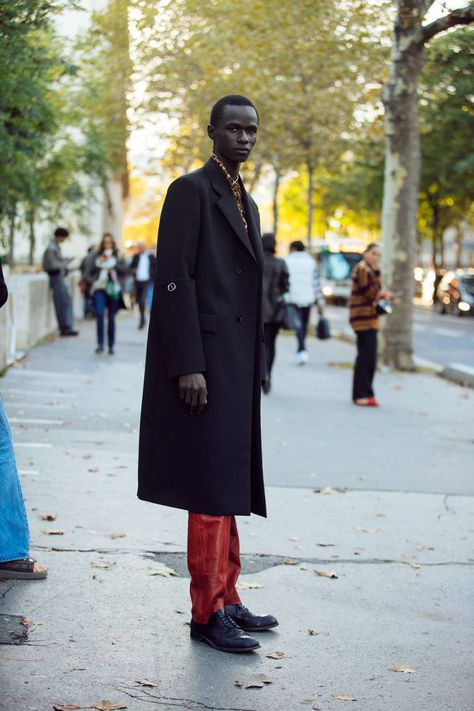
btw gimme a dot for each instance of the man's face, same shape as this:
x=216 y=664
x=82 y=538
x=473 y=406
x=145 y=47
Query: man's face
x=235 y=134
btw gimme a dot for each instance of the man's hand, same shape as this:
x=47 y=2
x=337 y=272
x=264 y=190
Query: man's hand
x=193 y=391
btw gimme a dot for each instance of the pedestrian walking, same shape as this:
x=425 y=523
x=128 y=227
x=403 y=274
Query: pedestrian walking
x=275 y=285
x=14 y=532
x=143 y=271
x=56 y=267
x=85 y=285
x=104 y=273
x=201 y=453
x=364 y=319
x=305 y=290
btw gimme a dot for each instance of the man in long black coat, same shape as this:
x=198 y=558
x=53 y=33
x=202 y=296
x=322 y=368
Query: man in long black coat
x=200 y=442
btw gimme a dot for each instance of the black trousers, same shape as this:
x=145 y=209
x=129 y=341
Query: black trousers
x=365 y=364
x=141 y=290
x=301 y=333
x=270 y=331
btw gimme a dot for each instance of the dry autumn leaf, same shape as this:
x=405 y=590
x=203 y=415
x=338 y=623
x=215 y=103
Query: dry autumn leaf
x=108 y=706
x=324 y=490
x=113 y=536
x=329 y=544
x=27 y=623
x=48 y=517
x=164 y=572
x=344 y=697
x=250 y=586
x=275 y=655
x=257 y=681
x=145 y=682
x=313 y=633
x=101 y=564
x=290 y=561
x=402 y=669
x=53 y=531
x=326 y=573
x=66 y=707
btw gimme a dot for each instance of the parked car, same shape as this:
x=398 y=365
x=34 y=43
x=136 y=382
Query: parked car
x=456 y=293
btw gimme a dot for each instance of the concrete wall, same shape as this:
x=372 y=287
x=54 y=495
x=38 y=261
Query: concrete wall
x=28 y=316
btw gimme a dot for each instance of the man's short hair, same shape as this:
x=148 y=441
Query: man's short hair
x=297 y=246
x=230 y=100
x=61 y=232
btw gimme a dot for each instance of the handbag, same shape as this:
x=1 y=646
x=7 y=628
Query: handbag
x=291 y=320
x=323 y=331
x=112 y=289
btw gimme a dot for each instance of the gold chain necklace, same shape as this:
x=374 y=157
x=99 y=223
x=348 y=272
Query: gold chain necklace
x=234 y=186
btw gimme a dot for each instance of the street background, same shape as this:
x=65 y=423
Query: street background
x=383 y=498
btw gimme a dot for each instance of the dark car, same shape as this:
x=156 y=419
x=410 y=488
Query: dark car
x=456 y=293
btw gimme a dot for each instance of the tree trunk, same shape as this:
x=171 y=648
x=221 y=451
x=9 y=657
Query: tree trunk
x=402 y=167
x=275 y=203
x=32 y=236
x=458 y=240
x=11 y=235
x=401 y=181
x=310 y=202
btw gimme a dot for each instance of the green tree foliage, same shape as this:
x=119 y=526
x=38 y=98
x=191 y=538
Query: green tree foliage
x=305 y=64
x=447 y=130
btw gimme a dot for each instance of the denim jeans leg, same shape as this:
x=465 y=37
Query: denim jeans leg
x=14 y=532
x=112 y=309
x=99 y=303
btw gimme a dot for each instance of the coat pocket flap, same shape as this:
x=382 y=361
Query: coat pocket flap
x=208 y=322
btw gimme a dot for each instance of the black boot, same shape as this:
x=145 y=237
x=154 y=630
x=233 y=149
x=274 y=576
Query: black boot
x=223 y=634
x=249 y=622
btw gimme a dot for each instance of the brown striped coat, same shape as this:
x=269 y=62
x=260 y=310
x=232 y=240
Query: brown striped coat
x=366 y=286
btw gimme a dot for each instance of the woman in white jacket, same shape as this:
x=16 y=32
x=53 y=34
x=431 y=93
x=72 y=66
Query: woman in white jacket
x=305 y=290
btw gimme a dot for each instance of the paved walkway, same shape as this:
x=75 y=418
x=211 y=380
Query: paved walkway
x=384 y=498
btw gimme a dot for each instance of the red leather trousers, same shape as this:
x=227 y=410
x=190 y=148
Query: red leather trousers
x=213 y=562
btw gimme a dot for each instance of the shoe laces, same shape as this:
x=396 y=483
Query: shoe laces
x=228 y=621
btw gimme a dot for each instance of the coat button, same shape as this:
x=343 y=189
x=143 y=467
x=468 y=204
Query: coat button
x=239 y=318
x=171 y=286
x=238 y=270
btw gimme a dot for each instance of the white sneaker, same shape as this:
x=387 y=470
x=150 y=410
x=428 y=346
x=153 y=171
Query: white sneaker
x=302 y=357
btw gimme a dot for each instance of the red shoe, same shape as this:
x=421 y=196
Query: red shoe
x=373 y=402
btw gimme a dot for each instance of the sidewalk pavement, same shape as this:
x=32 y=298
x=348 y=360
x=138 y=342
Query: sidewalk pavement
x=382 y=498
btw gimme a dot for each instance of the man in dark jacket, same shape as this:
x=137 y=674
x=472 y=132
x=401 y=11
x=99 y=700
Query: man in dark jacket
x=200 y=443
x=56 y=267
x=275 y=283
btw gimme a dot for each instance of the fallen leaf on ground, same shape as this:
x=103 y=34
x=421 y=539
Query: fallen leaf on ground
x=78 y=669
x=403 y=669
x=415 y=566
x=27 y=623
x=238 y=683
x=113 y=536
x=326 y=573
x=66 y=707
x=313 y=633
x=144 y=682
x=108 y=706
x=257 y=681
x=275 y=655
x=101 y=564
x=164 y=572
x=250 y=586
x=53 y=531
x=324 y=490
x=329 y=544
x=343 y=697
x=294 y=538
x=290 y=561
x=367 y=529
x=48 y=517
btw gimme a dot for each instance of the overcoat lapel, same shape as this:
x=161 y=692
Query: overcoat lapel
x=227 y=204
x=252 y=224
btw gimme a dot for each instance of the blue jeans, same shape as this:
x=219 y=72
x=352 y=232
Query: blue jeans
x=14 y=532
x=103 y=302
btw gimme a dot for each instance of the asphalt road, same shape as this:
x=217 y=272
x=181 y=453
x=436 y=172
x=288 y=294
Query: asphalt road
x=442 y=340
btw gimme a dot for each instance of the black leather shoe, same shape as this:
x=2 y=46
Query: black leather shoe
x=223 y=634
x=249 y=622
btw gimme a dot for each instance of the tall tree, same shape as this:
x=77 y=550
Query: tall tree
x=402 y=165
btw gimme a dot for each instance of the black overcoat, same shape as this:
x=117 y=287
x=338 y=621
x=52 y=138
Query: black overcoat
x=206 y=318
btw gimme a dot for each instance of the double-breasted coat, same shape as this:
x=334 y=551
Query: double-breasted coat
x=206 y=318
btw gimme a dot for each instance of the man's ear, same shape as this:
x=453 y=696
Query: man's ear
x=210 y=132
